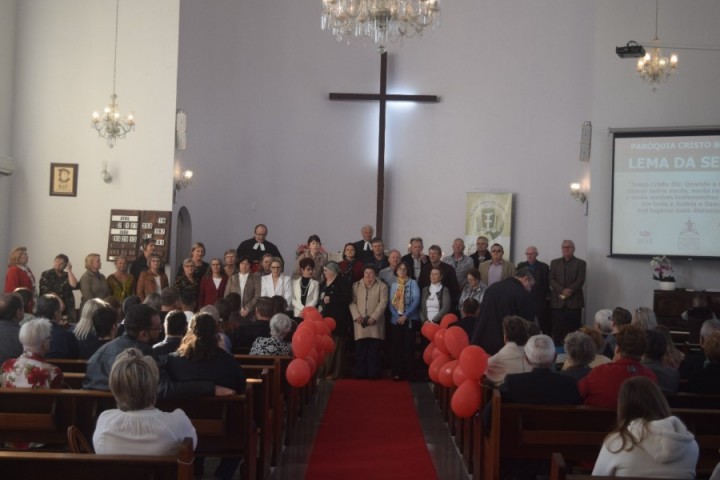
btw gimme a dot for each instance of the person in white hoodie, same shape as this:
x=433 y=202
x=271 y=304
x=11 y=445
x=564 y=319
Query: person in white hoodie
x=647 y=441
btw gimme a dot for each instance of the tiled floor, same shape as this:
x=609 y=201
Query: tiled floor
x=445 y=455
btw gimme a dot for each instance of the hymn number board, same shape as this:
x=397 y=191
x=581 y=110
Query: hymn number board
x=128 y=228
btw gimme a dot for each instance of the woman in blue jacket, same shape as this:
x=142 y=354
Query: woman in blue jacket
x=404 y=303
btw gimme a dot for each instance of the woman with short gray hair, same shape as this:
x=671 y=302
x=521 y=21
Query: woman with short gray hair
x=275 y=344
x=581 y=351
x=136 y=427
x=30 y=370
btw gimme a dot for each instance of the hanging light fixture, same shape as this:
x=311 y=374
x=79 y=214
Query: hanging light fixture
x=381 y=21
x=110 y=124
x=654 y=68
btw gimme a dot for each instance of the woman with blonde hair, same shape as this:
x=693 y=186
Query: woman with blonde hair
x=277 y=283
x=84 y=330
x=136 y=427
x=644 y=317
x=648 y=440
x=93 y=284
x=121 y=283
x=19 y=274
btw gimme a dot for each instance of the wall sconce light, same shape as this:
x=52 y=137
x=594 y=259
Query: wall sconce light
x=106 y=175
x=576 y=193
x=185 y=180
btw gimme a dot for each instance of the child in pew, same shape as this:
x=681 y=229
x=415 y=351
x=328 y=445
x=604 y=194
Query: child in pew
x=136 y=427
x=647 y=441
x=30 y=369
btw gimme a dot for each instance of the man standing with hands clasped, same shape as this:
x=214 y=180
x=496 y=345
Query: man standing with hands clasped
x=567 y=276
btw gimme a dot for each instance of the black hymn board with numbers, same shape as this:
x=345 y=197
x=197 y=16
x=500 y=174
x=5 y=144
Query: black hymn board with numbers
x=128 y=228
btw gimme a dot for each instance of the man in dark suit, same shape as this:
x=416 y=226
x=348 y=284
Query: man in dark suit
x=254 y=248
x=176 y=325
x=449 y=279
x=363 y=248
x=481 y=251
x=541 y=385
x=244 y=336
x=507 y=297
x=541 y=291
x=567 y=277
x=415 y=260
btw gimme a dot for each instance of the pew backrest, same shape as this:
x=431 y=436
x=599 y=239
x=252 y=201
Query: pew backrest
x=87 y=466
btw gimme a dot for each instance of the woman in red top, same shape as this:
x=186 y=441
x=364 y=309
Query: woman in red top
x=19 y=274
x=212 y=286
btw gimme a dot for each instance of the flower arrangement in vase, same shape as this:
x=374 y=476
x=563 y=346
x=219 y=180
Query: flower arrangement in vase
x=663 y=272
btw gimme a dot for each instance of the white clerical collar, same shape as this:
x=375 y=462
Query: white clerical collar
x=260 y=246
x=367 y=246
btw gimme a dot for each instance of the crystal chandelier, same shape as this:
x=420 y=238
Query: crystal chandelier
x=654 y=68
x=110 y=124
x=381 y=21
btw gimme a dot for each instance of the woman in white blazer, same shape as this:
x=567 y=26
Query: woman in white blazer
x=305 y=287
x=277 y=283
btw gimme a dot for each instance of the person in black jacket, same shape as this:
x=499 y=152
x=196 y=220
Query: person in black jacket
x=507 y=297
x=142 y=328
x=334 y=299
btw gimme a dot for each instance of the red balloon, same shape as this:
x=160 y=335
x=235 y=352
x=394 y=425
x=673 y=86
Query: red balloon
x=459 y=376
x=473 y=361
x=328 y=344
x=448 y=319
x=429 y=330
x=318 y=326
x=456 y=340
x=298 y=373
x=439 y=340
x=315 y=355
x=311 y=313
x=434 y=368
x=311 y=363
x=302 y=342
x=466 y=399
x=445 y=374
x=428 y=353
x=330 y=322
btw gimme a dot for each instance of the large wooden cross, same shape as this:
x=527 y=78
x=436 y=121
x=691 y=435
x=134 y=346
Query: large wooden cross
x=383 y=97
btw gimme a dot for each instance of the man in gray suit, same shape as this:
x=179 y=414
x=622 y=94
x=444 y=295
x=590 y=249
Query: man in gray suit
x=567 y=276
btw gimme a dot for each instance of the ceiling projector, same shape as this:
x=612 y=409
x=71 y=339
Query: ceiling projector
x=631 y=50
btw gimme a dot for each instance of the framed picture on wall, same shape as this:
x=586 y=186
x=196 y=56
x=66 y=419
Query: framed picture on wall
x=63 y=179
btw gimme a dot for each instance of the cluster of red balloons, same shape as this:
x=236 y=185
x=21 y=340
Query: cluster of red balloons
x=310 y=343
x=454 y=362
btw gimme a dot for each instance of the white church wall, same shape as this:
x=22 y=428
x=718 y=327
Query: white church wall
x=7 y=57
x=268 y=146
x=63 y=72
x=621 y=100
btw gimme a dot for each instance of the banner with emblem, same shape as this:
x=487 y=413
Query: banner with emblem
x=489 y=215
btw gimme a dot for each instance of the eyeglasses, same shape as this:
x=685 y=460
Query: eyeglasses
x=275 y=268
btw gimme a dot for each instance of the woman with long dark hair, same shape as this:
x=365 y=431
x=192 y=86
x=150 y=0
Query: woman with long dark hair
x=648 y=440
x=199 y=357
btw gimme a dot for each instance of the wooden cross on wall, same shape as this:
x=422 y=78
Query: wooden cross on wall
x=383 y=97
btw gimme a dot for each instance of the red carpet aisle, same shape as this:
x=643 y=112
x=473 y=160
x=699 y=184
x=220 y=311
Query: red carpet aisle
x=370 y=430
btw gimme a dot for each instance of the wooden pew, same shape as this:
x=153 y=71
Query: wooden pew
x=694 y=400
x=68 y=365
x=535 y=432
x=43 y=416
x=224 y=425
x=558 y=471
x=79 y=466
